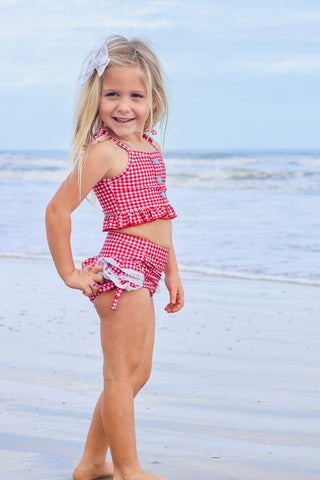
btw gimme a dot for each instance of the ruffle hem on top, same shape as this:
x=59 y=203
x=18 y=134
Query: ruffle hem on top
x=137 y=217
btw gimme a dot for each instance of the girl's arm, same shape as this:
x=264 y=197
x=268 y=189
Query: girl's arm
x=172 y=277
x=173 y=283
x=58 y=218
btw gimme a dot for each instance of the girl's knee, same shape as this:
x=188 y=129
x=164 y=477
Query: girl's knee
x=140 y=384
x=125 y=375
x=144 y=375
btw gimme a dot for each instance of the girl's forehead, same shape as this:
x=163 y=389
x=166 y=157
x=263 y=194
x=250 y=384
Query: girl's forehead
x=124 y=74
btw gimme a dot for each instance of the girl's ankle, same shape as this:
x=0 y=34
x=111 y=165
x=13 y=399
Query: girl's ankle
x=127 y=473
x=93 y=459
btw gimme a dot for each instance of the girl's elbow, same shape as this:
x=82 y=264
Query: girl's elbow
x=54 y=211
x=51 y=210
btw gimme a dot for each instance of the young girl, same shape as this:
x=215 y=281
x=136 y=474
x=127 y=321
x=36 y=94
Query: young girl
x=122 y=99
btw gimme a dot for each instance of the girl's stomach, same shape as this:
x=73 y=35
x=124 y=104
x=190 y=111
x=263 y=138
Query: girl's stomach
x=159 y=231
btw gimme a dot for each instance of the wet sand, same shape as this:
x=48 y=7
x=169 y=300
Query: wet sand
x=234 y=393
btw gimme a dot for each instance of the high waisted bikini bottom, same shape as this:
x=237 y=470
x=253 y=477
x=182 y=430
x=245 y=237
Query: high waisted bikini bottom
x=129 y=263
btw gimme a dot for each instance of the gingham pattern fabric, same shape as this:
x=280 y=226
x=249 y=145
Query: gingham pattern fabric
x=138 y=194
x=122 y=255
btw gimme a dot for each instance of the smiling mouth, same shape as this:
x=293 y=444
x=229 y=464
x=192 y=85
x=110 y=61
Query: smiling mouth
x=122 y=120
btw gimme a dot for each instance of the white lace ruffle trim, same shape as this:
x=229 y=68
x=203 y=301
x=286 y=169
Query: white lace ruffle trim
x=127 y=278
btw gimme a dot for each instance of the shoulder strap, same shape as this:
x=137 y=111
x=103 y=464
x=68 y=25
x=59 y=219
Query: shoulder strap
x=104 y=131
x=150 y=140
x=122 y=145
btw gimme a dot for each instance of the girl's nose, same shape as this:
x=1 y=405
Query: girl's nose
x=123 y=106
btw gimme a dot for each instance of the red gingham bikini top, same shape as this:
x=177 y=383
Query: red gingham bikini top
x=138 y=194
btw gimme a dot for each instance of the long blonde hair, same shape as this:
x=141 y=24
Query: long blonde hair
x=121 y=52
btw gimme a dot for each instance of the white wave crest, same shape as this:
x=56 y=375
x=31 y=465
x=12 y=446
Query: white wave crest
x=224 y=179
x=30 y=162
x=33 y=175
x=210 y=162
x=248 y=275
x=310 y=162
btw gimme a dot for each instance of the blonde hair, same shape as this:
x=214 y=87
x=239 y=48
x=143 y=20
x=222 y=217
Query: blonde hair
x=121 y=52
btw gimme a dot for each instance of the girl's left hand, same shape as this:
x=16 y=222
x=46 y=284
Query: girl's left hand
x=87 y=279
x=174 y=285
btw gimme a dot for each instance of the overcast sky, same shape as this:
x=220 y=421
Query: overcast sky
x=242 y=73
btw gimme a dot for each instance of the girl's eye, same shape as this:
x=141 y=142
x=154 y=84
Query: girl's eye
x=137 y=95
x=111 y=94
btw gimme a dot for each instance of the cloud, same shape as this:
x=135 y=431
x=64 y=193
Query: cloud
x=45 y=41
x=303 y=64
x=306 y=15
x=46 y=19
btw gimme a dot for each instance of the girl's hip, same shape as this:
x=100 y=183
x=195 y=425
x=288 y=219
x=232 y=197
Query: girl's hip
x=131 y=247
x=129 y=263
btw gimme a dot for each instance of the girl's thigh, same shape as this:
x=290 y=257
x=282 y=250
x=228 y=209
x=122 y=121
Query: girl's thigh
x=127 y=333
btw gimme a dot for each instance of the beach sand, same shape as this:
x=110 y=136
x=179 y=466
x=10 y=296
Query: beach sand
x=234 y=393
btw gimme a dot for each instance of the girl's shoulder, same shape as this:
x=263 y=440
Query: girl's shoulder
x=107 y=159
x=103 y=148
x=102 y=156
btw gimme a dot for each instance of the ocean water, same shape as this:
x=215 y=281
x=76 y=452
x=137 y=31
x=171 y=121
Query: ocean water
x=240 y=214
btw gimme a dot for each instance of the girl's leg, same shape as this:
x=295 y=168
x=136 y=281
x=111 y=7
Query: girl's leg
x=127 y=351
x=93 y=463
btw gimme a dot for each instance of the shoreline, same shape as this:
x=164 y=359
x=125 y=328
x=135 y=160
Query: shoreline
x=234 y=393
x=185 y=269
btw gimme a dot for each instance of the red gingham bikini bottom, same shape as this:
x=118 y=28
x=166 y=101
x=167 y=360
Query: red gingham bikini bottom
x=129 y=263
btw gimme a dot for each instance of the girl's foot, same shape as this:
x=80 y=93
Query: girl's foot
x=90 y=472
x=142 y=475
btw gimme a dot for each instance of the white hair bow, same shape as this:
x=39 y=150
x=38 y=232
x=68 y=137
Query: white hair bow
x=99 y=63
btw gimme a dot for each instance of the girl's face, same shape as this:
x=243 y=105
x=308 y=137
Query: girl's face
x=124 y=104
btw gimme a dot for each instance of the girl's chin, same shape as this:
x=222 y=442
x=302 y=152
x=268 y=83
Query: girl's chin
x=122 y=125
x=123 y=129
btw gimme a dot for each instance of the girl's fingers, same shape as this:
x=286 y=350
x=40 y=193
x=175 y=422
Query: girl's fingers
x=98 y=278
x=94 y=287
x=97 y=268
x=87 y=268
x=91 y=288
x=87 y=292
x=96 y=273
x=175 y=304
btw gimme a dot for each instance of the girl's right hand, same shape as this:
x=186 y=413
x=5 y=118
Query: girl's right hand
x=85 y=280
